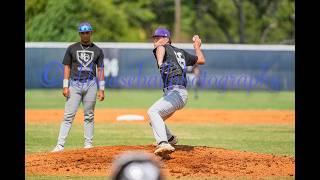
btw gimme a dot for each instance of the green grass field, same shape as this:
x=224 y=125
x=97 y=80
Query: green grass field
x=265 y=139
x=273 y=139
x=44 y=99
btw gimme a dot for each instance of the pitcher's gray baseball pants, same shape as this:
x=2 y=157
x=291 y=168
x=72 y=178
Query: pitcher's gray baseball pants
x=162 y=109
x=84 y=92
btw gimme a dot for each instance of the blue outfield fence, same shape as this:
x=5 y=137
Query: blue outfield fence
x=132 y=65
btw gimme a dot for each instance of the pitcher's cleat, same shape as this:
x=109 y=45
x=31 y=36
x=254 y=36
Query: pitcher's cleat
x=164 y=149
x=173 y=141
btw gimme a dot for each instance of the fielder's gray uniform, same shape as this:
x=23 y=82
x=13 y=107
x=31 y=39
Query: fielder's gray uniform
x=85 y=93
x=83 y=88
x=173 y=73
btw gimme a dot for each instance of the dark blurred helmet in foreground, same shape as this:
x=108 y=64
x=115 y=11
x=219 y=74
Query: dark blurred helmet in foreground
x=136 y=166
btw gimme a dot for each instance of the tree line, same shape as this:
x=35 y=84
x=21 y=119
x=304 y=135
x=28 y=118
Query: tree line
x=216 y=21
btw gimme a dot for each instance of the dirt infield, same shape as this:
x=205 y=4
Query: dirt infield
x=185 y=161
x=182 y=116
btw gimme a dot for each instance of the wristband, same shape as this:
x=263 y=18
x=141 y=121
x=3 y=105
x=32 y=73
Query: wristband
x=65 y=83
x=101 y=85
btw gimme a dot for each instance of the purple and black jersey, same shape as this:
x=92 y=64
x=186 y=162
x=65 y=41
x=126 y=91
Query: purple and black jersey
x=173 y=69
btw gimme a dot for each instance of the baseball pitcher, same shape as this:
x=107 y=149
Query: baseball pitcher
x=172 y=63
x=81 y=61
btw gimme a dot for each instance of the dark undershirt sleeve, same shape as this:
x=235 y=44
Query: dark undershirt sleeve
x=67 y=57
x=190 y=59
x=100 y=59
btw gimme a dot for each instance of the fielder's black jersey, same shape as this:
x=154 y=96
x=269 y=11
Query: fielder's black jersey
x=173 y=68
x=83 y=60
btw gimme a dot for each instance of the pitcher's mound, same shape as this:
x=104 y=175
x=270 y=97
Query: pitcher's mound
x=185 y=161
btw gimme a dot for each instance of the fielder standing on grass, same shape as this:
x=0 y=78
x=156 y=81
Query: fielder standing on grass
x=172 y=64
x=81 y=61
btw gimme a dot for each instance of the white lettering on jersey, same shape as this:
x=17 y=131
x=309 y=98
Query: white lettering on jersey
x=84 y=69
x=85 y=57
x=181 y=60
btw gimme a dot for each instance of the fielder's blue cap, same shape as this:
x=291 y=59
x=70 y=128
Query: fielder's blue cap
x=85 y=27
x=161 y=32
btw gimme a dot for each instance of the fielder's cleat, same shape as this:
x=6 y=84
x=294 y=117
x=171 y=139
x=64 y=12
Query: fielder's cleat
x=58 y=148
x=164 y=149
x=173 y=141
x=88 y=146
